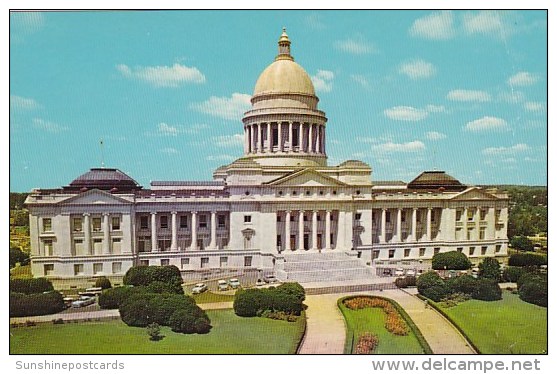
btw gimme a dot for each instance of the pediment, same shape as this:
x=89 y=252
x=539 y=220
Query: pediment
x=95 y=197
x=306 y=178
x=474 y=193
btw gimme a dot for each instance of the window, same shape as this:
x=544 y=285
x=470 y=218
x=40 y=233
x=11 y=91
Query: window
x=484 y=250
x=184 y=263
x=164 y=222
x=472 y=250
x=319 y=217
x=221 y=221
x=375 y=254
x=482 y=233
x=97 y=246
x=305 y=218
x=470 y=214
x=358 y=216
x=406 y=252
x=97 y=268
x=433 y=216
x=164 y=244
x=203 y=221
x=144 y=263
x=275 y=136
x=387 y=216
x=144 y=222
x=247 y=219
x=115 y=223
x=116 y=267
x=183 y=222
x=204 y=262
x=483 y=213
x=97 y=224
x=332 y=241
x=469 y=233
x=436 y=250
x=48 y=248
x=279 y=218
x=77 y=224
x=47 y=224
x=460 y=249
x=403 y=216
x=247 y=261
x=78 y=247
x=48 y=269
x=498 y=248
x=391 y=253
x=78 y=269
x=422 y=252
x=165 y=261
x=332 y=217
x=223 y=262
x=295 y=138
x=116 y=245
x=459 y=215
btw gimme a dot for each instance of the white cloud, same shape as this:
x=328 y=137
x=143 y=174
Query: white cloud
x=487 y=123
x=224 y=158
x=228 y=140
x=534 y=106
x=417 y=69
x=360 y=79
x=415 y=146
x=52 y=127
x=163 y=76
x=356 y=45
x=323 y=80
x=436 y=26
x=435 y=108
x=170 y=151
x=469 y=95
x=485 y=22
x=165 y=129
x=231 y=108
x=405 y=113
x=505 y=151
x=22 y=103
x=523 y=78
x=434 y=135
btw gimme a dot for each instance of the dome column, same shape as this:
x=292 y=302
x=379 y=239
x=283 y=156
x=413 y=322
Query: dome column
x=301 y=140
x=279 y=125
x=291 y=148
x=310 y=138
x=259 y=138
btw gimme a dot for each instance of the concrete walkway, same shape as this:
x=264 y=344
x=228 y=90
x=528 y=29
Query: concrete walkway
x=325 y=333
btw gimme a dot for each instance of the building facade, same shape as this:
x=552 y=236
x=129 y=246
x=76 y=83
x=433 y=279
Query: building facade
x=279 y=199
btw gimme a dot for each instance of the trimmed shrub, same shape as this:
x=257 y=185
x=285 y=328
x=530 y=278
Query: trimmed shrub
x=18 y=256
x=427 y=280
x=512 y=273
x=527 y=277
x=185 y=322
x=465 y=284
x=112 y=298
x=174 y=287
x=252 y=302
x=487 y=290
x=293 y=288
x=452 y=260
x=103 y=282
x=144 y=275
x=36 y=304
x=527 y=259
x=534 y=292
x=490 y=268
x=436 y=293
x=30 y=286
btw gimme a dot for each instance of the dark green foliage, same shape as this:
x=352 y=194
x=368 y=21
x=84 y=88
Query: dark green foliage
x=427 y=280
x=487 y=290
x=185 y=322
x=20 y=217
x=452 y=260
x=18 y=256
x=293 y=288
x=112 y=298
x=407 y=281
x=154 y=332
x=103 y=282
x=436 y=293
x=251 y=302
x=144 y=275
x=35 y=304
x=512 y=273
x=527 y=259
x=465 y=284
x=17 y=199
x=522 y=243
x=490 y=268
x=162 y=287
x=528 y=276
x=534 y=292
x=30 y=286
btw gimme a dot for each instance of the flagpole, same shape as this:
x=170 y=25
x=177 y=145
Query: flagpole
x=102 y=153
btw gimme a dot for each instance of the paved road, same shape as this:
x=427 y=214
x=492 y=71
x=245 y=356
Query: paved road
x=325 y=332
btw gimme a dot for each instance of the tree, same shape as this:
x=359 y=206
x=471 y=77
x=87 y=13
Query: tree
x=154 y=332
x=103 y=282
x=490 y=268
x=452 y=260
x=18 y=256
x=522 y=243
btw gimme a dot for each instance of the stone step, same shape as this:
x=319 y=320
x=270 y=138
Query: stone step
x=313 y=256
x=322 y=265
x=330 y=275
x=319 y=290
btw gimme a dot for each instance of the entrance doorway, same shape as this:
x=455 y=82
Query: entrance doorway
x=200 y=244
x=293 y=242
x=319 y=241
x=306 y=241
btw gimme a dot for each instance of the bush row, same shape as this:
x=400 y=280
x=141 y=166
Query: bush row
x=287 y=298
x=432 y=286
x=527 y=259
x=145 y=275
x=30 y=286
x=35 y=304
x=112 y=298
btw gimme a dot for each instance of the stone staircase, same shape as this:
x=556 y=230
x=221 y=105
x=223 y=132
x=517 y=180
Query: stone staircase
x=323 y=267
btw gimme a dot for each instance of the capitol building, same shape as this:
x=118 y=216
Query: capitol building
x=280 y=208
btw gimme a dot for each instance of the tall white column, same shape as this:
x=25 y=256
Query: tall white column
x=246 y=139
x=491 y=223
x=301 y=138
x=193 y=231
x=318 y=138
x=259 y=141
x=87 y=233
x=314 y=230
x=477 y=218
x=371 y=225
x=269 y=140
x=399 y=225
x=279 y=125
x=106 y=234
x=465 y=223
x=414 y=223
x=287 y=231
x=301 y=230
x=310 y=138
x=213 y=243
x=383 y=237
x=328 y=230
x=428 y=224
x=290 y=136
x=174 y=241
x=253 y=138
x=154 y=241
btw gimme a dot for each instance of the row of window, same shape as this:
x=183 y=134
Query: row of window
x=471 y=251
x=78 y=224
x=471 y=212
x=185 y=262
x=183 y=222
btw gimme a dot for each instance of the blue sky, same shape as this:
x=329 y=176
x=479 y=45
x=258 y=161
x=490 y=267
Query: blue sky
x=405 y=91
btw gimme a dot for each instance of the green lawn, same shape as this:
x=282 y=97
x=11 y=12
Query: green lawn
x=501 y=327
x=373 y=320
x=209 y=297
x=230 y=334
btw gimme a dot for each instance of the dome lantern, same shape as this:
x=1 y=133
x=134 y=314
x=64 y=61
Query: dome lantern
x=284 y=47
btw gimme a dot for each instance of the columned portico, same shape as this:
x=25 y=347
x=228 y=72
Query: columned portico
x=213 y=242
x=414 y=224
x=399 y=225
x=383 y=238
x=428 y=225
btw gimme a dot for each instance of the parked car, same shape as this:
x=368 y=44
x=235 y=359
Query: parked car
x=234 y=283
x=270 y=278
x=399 y=272
x=199 y=288
x=222 y=285
x=411 y=272
x=259 y=282
x=83 y=301
x=475 y=272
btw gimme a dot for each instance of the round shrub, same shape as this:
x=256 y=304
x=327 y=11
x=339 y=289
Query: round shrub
x=530 y=277
x=522 y=243
x=534 y=292
x=185 y=322
x=465 y=284
x=487 y=290
x=138 y=310
x=436 y=293
x=286 y=303
x=293 y=288
x=30 y=286
x=174 y=287
x=112 y=298
x=512 y=273
x=490 y=268
x=428 y=280
x=144 y=275
x=103 y=282
x=527 y=259
x=36 y=304
x=248 y=302
x=452 y=260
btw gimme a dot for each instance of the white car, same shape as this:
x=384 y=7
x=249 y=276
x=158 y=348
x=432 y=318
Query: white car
x=411 y=273
x=83 y=301
x=234 y=283
x=399 y=272
x=222 y=285
x=270 y=278
x=199 y=288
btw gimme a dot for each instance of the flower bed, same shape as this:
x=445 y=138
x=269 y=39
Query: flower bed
x=367 y=343
x=393 y=321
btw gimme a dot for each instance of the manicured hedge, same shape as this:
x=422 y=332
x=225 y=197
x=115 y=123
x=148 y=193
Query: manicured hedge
x=432 y=286
x=35 y=304
x=113 y=297
x=145 y=275
x=103 y=282
x=490 y=268
x=527 y=277
x=452 y=260
x=293 y=288
x=252 y=302
x=30 y=286
x=527 y=259
x=464 y=284
x=534 y=292
x=512 y=273
x=487 y=290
